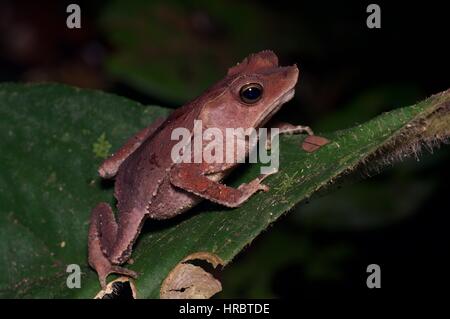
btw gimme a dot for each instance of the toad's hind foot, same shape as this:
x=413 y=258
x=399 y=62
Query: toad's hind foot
x=104 y=271
x=97 y=257
x=103 y=266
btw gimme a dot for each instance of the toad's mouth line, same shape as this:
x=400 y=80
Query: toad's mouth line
x=278 y=104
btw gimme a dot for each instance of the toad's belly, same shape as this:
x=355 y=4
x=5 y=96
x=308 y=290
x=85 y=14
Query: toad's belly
x=171 y=201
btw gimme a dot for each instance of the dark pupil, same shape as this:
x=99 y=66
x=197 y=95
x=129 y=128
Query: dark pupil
x=251 y=93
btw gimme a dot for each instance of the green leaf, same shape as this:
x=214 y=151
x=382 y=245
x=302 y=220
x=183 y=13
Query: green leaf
x=54 y=138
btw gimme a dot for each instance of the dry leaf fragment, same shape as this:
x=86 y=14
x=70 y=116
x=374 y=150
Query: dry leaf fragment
x=190 y=281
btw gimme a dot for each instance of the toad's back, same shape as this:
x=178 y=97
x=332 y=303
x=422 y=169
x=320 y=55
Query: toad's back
x=142 y=181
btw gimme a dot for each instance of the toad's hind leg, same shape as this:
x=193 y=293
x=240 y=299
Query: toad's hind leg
x=102 y=237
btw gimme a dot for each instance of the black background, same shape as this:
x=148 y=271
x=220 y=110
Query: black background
x=411 y=47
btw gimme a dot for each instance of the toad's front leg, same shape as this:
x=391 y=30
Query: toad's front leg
x=109 y=244
x=286 y=128
x=192 y=178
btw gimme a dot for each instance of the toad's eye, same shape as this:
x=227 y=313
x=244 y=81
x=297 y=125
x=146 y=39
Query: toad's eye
x=251 y=93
